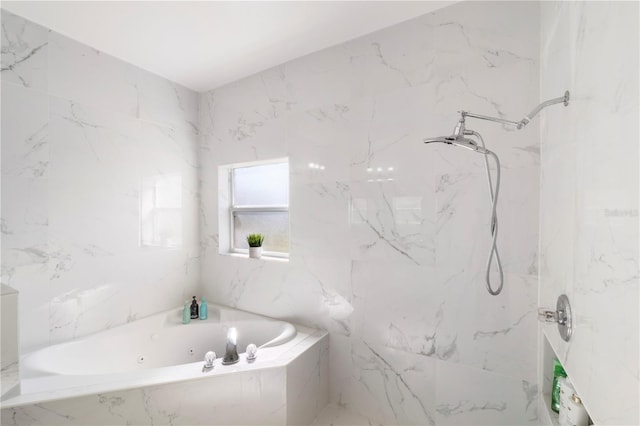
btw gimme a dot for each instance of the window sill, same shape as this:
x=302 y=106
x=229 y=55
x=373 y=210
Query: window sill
x=264 y=257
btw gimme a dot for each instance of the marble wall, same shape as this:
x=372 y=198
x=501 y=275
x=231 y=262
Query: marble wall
x=9 y=354
x=589 y=199
x=389 y=240
x=84 y=135
x=392 y=262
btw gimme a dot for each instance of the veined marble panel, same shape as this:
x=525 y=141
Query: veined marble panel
x=25 y=165
x=184 y=403
x=10 y=358
x=166 y=103
x=589 y=200
x=338 y=415
x=26 y=152
x=389 y=239
x=25 y=48
x=83 y=134
x=466 y=395
x=89 y=77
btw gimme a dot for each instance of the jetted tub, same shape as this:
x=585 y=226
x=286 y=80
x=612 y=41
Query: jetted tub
x=162 y=357
x=155 y=342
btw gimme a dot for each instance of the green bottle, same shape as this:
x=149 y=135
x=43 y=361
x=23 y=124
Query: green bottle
x=558 y=371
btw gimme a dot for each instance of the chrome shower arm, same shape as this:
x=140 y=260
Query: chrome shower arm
x=563 y=99
x=466 y=114
x=527 y=118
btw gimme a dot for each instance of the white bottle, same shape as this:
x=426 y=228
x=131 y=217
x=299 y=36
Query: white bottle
x=576 y=413
x=566 y=390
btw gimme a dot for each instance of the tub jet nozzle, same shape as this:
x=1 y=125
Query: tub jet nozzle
x=231 y=355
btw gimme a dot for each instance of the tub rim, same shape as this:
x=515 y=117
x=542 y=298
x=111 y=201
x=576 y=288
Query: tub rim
x=268 y=357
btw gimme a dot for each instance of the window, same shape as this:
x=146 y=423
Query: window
x=255 y=201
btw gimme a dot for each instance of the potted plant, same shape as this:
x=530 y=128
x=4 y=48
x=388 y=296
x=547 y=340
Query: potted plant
x=255 y=245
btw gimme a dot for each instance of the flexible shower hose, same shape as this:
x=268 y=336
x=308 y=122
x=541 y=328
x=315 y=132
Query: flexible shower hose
x=493 y=252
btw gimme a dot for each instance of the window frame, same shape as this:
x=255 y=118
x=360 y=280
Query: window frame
x=234 y=209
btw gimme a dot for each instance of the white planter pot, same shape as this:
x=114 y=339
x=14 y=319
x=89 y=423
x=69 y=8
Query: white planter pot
x=255 y=252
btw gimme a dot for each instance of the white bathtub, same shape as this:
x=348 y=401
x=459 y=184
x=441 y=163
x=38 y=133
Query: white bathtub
x=155 y=342
x=159 y=357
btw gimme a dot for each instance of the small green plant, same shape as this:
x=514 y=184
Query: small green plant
x=255 y=240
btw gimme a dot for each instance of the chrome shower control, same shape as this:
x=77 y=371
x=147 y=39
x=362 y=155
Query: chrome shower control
x=562 y=316
x=252 y=352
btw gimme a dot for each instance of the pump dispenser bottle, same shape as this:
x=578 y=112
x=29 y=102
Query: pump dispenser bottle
x=194 y=308
x=558 y=372
x=203 y=309
x=186 y=313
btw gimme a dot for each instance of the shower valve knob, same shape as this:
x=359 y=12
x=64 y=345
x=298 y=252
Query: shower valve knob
x=209 y=358
x=561 y=316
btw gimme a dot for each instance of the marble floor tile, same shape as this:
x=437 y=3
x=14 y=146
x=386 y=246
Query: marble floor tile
x=337 y=415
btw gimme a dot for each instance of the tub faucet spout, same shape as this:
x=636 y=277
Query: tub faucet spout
x=231 y=354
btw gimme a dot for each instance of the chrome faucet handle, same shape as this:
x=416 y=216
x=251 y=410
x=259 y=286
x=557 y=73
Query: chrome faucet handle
x=562 y=316
x=252 y=352
x=209 y=358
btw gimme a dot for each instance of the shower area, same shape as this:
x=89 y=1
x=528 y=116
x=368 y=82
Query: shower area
x=393 y=242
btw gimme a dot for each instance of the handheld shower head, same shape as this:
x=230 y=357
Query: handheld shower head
x=458 y=141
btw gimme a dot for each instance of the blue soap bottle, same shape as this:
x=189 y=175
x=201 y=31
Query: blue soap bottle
x=186 y=313
x=203 y=309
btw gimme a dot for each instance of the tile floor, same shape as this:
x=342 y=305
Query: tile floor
x=336 y=415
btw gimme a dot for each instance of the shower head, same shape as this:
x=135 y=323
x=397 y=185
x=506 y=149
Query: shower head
x=458 y=141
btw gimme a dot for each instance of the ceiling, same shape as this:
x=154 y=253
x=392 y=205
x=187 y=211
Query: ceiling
x=205 y=44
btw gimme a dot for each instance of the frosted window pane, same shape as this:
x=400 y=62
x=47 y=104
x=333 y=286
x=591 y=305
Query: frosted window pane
x=266 y=185
x=273 y=225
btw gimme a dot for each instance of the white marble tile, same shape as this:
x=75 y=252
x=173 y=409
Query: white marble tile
x=25 y=164
x=392 y=385
x=166 y=103
x=24 y=52
x=183 y=403
x=396 y=307
x=323 y=78
x=393 y=268
x=337 y=415
x=330 y=208
x=381 y=229
x=82 y=131
x=87 y=76
x=308 y=384
x=24 y=222
x=10 y=355
x=465 y=395
x=415 y=245
x=589 y=200
x=26 y=147
x=95 y=178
